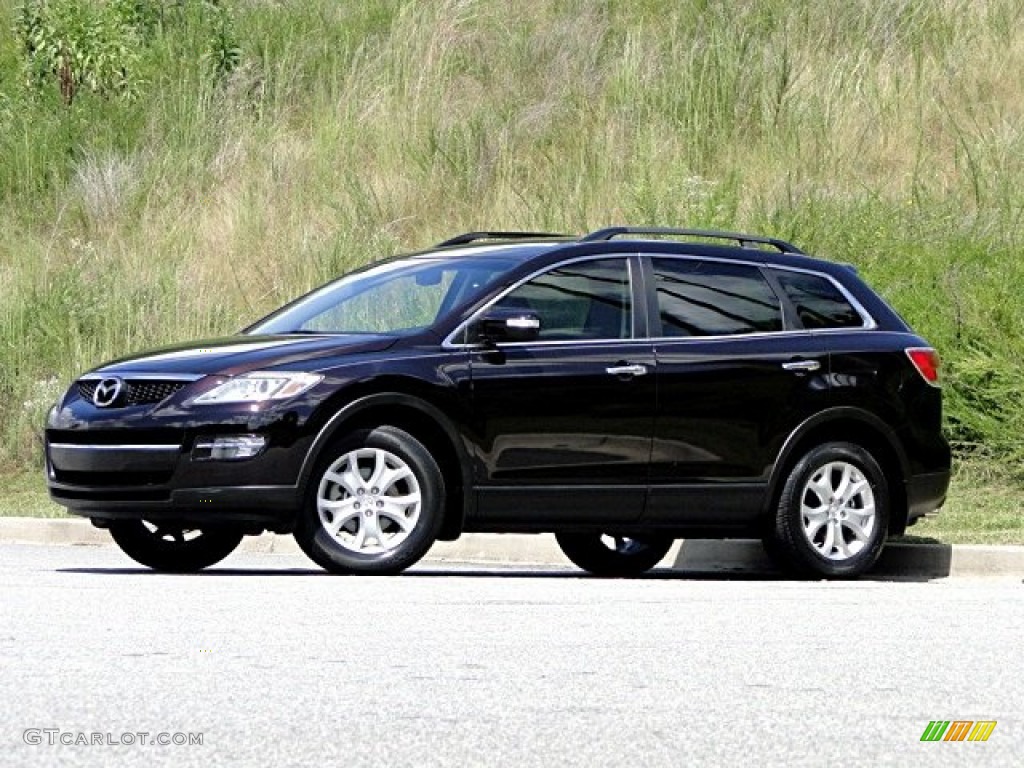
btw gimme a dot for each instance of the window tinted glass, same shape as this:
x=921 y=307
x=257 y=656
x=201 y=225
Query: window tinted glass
x=585 y=300
x=818 y=302
x=698 y=298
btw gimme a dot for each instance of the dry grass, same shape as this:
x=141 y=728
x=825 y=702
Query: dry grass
x=887 y=135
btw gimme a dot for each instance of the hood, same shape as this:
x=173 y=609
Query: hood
x=234 y=355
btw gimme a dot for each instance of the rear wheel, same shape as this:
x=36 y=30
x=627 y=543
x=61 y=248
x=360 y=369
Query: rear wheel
x=607 y=555
x=375 y=504
x=833 y=514
x=173 y=547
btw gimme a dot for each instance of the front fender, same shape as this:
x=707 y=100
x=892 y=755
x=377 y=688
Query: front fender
x=352 y=411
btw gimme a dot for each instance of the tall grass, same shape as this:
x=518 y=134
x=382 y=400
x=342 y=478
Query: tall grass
x=887 y=135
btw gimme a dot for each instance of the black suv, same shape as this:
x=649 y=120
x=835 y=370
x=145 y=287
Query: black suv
x=620 y=390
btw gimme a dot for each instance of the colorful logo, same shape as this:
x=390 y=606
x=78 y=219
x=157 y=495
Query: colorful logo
x=958 y=730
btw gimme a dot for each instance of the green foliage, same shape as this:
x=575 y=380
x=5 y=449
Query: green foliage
x=79 y=44
x=268 y=146
x=126 y=65
x=223 y=51
x=103 y=47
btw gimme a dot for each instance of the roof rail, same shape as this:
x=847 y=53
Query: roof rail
x=470 y=237
x=745 y=241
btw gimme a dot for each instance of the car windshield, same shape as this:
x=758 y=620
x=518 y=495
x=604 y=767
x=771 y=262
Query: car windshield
x=398 y=296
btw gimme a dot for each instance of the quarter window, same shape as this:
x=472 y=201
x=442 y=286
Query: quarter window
x=709 y=298
x=583 y=300
x=818 y=302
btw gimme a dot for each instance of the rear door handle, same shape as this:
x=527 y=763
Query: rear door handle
x=802 y=366
x=626 y=370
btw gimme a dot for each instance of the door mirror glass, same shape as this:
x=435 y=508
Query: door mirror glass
x=507 y=325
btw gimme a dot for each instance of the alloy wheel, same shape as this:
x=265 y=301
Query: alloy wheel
x=838 y=511
x=369 y=501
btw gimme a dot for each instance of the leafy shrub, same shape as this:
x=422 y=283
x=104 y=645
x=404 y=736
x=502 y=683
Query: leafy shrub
x=79 y=44
x=97 y=46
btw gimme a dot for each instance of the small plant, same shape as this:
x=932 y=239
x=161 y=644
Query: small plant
x=97 y=45
x=79 y=44
x=223 y=54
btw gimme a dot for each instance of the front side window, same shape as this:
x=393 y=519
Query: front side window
x=580 y=301
x=708 y=298
x=818 y=302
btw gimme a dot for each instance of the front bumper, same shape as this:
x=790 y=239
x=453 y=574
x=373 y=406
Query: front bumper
x=118 y=475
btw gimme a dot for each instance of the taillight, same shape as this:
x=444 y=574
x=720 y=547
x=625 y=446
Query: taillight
x=926 y=360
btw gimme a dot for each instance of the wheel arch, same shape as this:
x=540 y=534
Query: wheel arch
x=849 y=425
x=424 y=421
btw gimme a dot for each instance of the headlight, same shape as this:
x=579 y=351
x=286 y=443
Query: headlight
x=259 y=386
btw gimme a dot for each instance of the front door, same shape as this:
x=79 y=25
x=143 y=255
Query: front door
x=564 y=423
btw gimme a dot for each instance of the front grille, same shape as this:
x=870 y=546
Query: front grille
x=137 y=391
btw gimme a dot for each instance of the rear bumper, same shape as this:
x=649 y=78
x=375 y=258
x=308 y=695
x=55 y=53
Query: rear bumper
x=926 y=494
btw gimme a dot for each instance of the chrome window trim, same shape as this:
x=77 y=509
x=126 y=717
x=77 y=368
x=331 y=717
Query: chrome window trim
x=671 y=339
x=760 y=334
x=626 y=255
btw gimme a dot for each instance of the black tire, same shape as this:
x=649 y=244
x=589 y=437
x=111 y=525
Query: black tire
x=613 y=555
x=818 y=479
x=372 y=517
x=173 y=547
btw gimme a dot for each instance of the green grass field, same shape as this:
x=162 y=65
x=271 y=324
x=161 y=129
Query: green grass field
x=887 y=135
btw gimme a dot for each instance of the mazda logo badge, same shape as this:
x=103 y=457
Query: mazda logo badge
x=107 y=392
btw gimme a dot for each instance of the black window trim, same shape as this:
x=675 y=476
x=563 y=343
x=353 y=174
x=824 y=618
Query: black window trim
x=638 y=295
x=790 y=325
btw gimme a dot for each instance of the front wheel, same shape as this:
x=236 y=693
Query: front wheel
x=833 y=514
x=606 y=555
x=173 y=547
x=375 y=506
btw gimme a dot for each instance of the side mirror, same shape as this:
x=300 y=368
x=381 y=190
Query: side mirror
x=505 y=325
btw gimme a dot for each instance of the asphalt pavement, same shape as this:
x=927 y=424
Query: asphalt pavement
x=270 y=662
x=901 y=559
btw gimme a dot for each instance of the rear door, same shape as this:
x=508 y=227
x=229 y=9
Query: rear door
x=733 y=382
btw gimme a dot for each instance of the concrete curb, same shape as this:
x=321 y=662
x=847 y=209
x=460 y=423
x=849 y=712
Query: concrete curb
x=905 y=560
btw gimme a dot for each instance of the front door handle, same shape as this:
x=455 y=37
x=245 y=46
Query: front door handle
x=802 y=366
x=626 y=370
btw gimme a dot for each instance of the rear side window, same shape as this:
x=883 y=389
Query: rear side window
x=579 y=301
x=707 y=298
x=818 y=302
